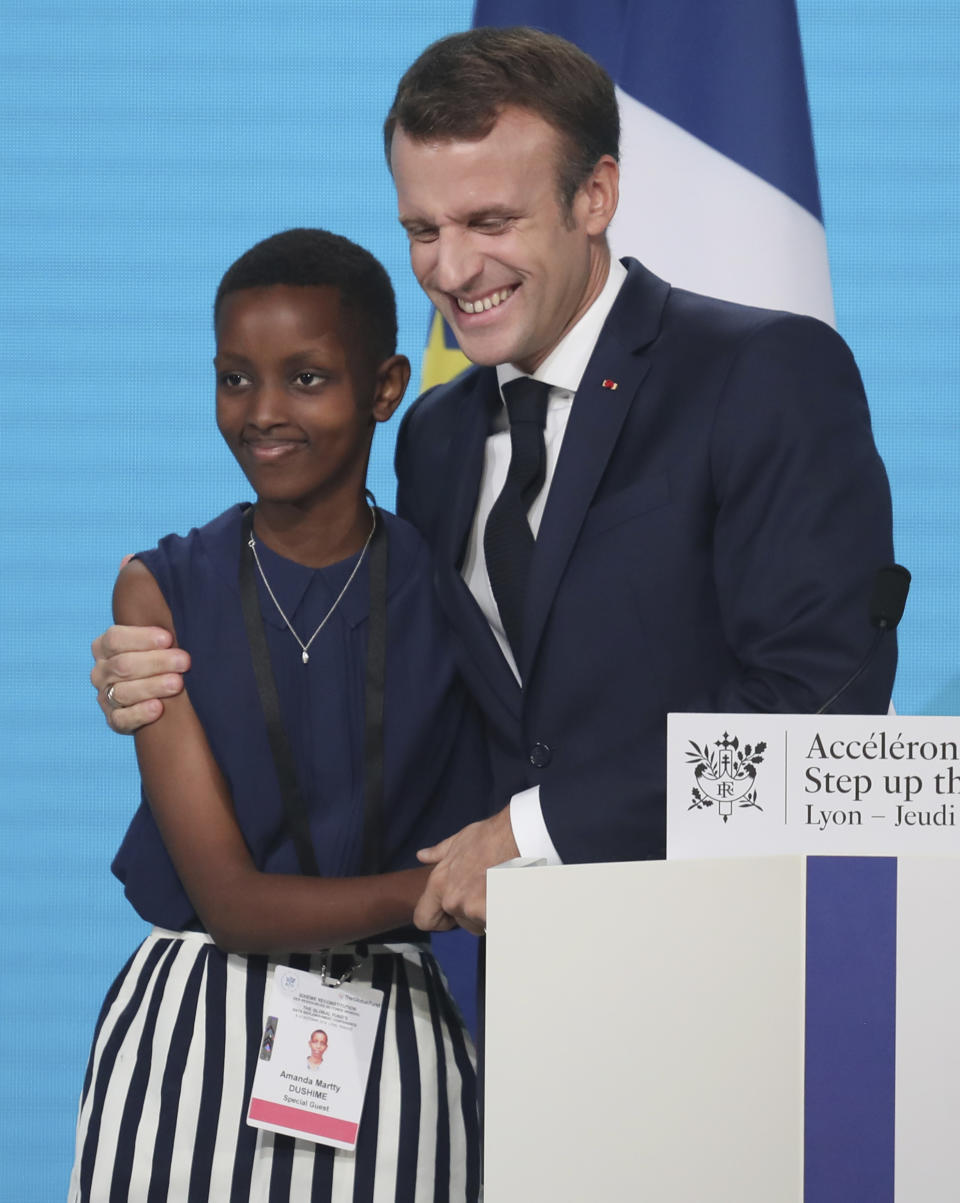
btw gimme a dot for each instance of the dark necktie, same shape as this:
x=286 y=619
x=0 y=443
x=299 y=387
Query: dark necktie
x=507 y=538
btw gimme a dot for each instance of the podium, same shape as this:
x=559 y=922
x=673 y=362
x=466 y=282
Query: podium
x=769 y=1030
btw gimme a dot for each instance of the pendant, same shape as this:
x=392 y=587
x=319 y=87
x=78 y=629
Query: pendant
x=304 y=657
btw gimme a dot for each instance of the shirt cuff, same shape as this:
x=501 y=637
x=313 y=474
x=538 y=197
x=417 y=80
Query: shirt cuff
x=529 y=829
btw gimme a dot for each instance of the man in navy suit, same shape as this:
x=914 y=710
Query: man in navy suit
x=713 y=511
x=708 y=511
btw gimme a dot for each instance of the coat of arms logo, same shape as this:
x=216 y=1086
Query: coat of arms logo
x=725 y=775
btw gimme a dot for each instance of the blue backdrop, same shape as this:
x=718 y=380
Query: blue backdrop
x=144 y=147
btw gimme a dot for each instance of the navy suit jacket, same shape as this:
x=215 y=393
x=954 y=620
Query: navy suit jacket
x=709 y=543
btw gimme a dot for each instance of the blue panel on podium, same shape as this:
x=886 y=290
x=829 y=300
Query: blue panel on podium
x=850 y=1050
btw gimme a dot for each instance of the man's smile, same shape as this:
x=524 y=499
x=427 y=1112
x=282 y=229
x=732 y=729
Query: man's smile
x=490 y=301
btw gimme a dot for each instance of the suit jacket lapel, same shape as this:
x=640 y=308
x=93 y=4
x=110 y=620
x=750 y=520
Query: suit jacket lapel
x=464 y=466
x=594 y=426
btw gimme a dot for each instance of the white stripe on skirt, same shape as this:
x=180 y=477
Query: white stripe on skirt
x=231 y=1108
x=155 y=1122
x=150 y=1113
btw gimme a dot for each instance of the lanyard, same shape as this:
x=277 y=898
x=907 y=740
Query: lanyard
x=294 y=806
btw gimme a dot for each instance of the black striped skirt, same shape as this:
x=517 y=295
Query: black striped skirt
x=162 y=1115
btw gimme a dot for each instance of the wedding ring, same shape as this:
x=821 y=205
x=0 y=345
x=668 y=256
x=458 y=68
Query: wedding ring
x=112 y=701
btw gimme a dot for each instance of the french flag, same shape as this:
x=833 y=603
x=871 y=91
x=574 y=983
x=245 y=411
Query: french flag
x=719 y=189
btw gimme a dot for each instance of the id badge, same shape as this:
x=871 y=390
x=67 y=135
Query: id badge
x=314 y=1060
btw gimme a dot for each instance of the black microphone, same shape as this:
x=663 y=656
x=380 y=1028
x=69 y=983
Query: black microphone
x=890 y=588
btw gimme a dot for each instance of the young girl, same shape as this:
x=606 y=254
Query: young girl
x=322 y=739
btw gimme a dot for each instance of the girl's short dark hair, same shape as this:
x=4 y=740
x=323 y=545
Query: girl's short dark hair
x=318 y=259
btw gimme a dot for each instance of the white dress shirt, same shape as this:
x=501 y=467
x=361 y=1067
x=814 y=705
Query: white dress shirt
x=563 y=370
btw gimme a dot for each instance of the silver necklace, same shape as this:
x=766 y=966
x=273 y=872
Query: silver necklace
x=304 y=655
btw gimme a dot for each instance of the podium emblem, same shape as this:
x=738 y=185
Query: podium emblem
x=725 y=775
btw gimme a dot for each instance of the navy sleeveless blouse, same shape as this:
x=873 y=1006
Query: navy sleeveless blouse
x=435 y=775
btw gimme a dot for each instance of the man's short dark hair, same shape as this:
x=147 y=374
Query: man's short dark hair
x=318 y=259
x=460 y=85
